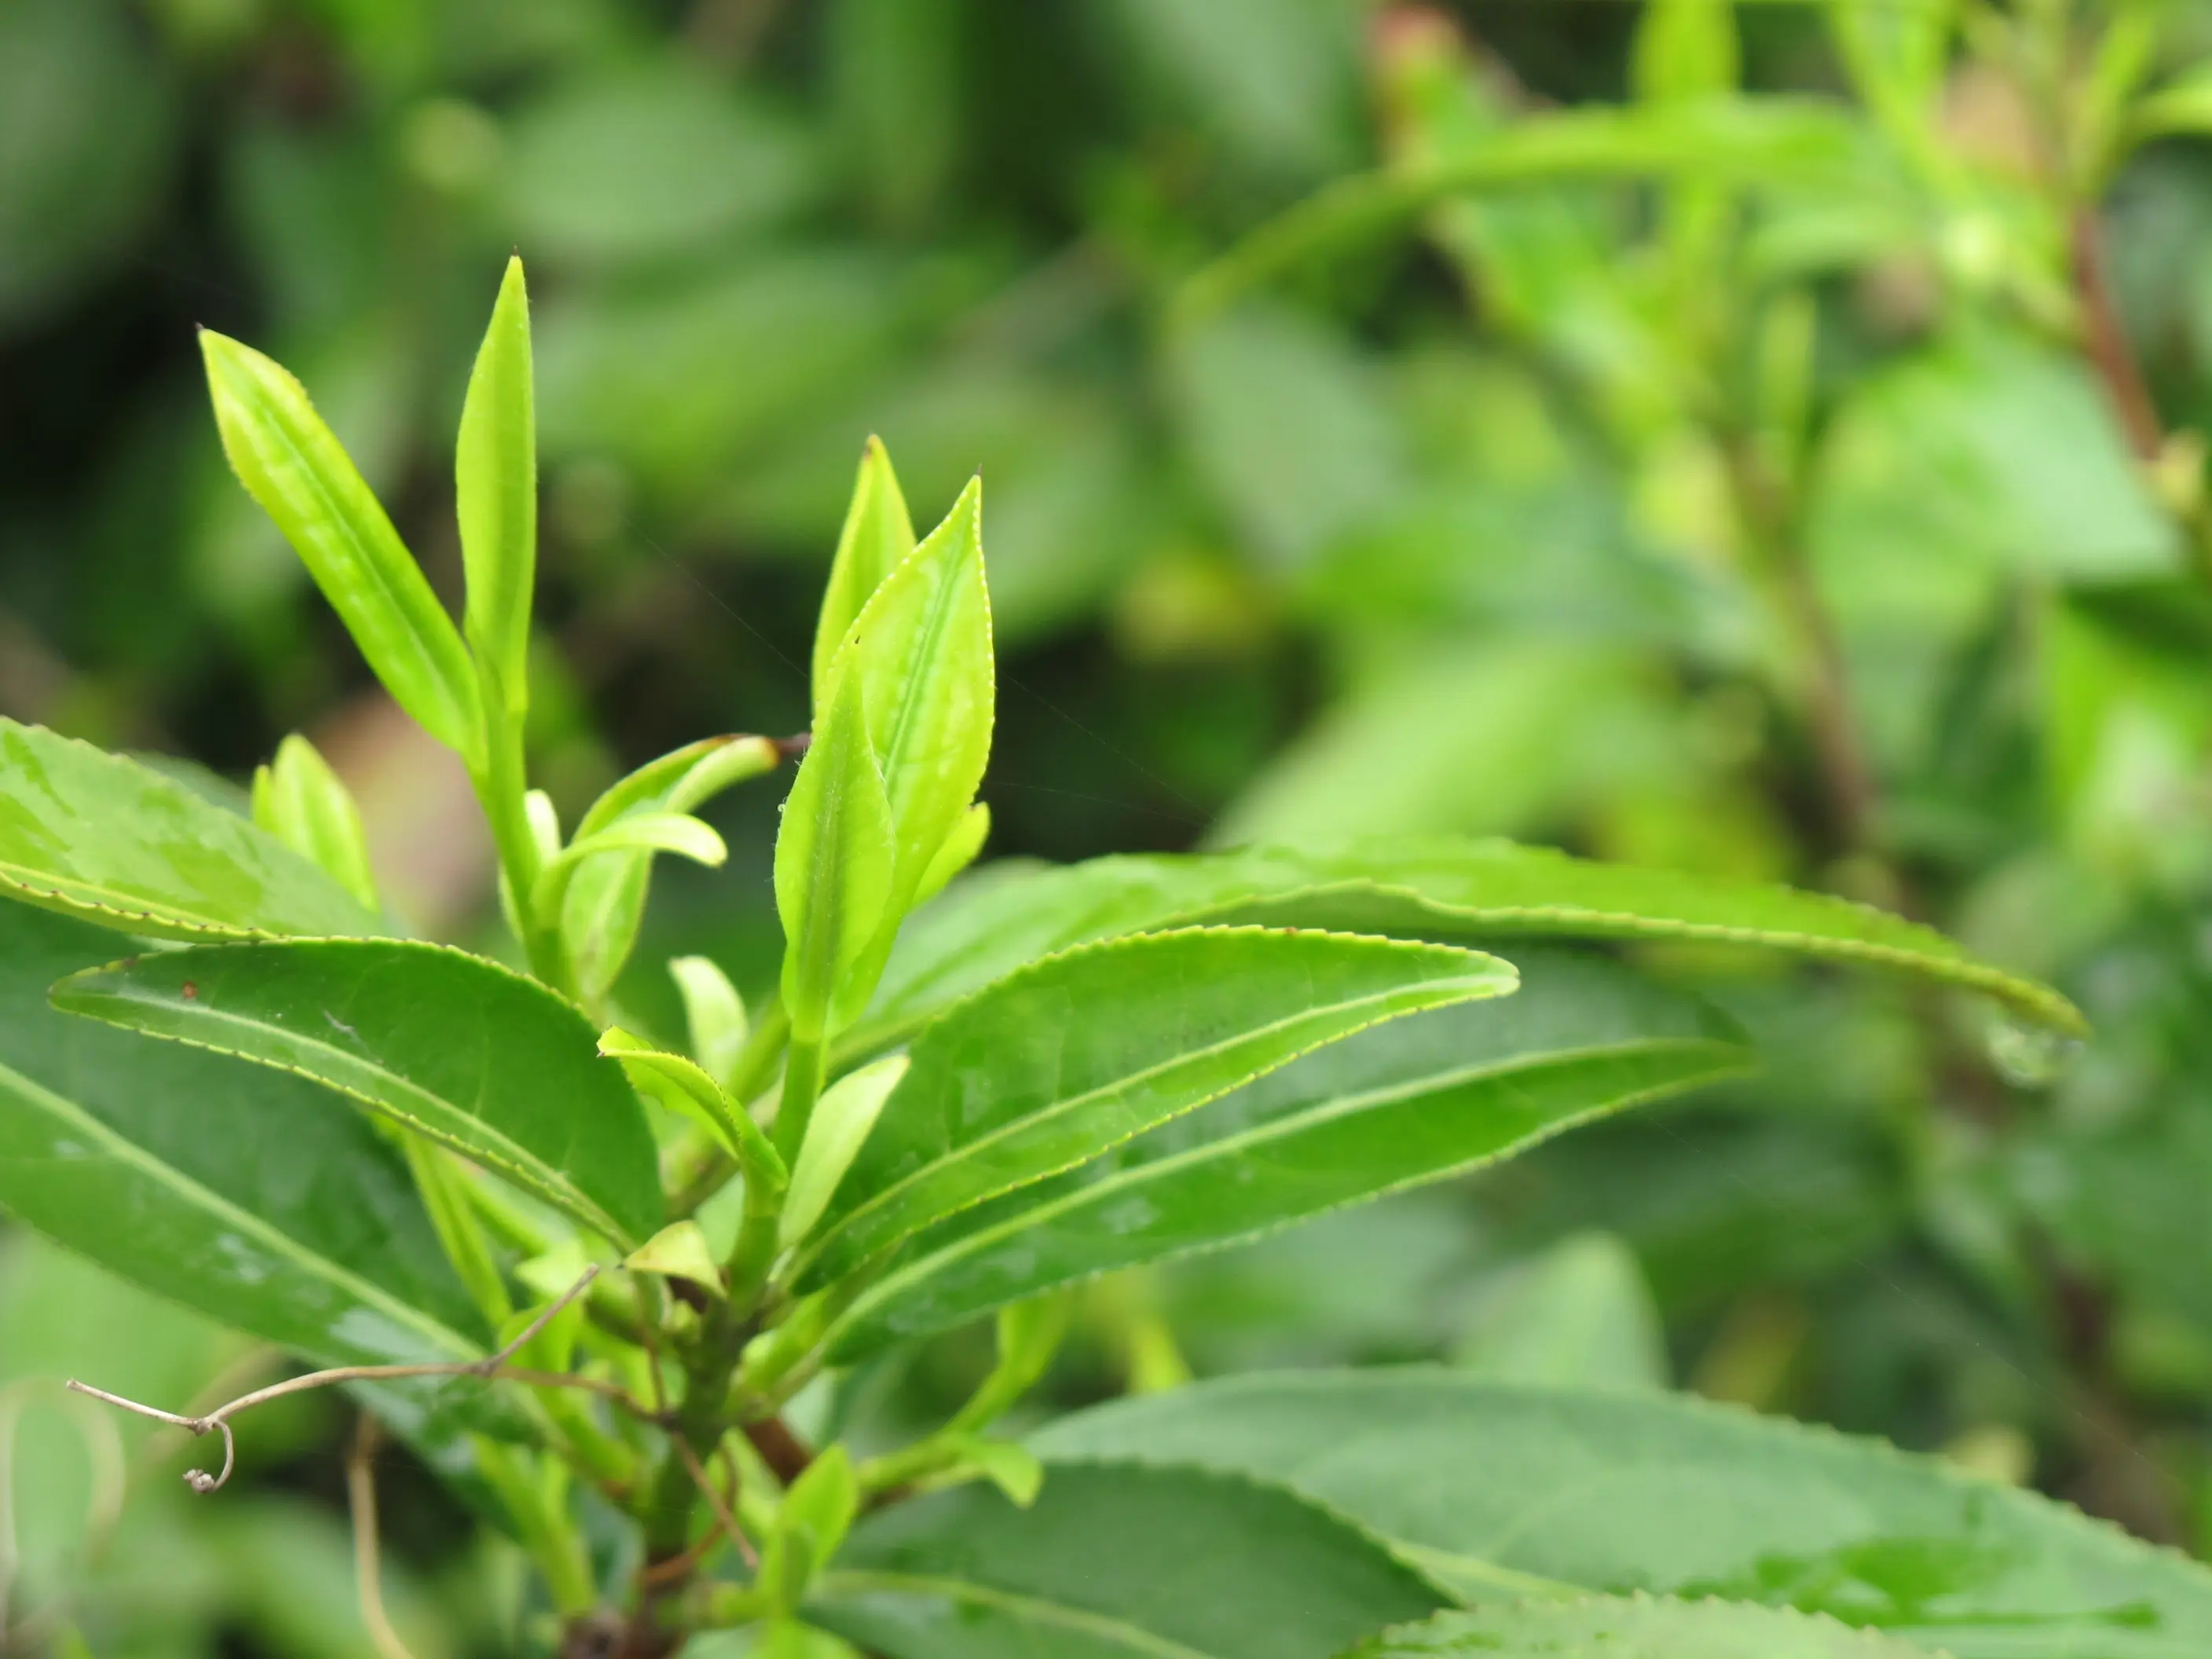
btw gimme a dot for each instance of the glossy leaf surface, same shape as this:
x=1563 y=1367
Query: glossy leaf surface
x=1503 y=1492
x=102 y=837
x=252 y=1196
x=1114 y=1561
x=1635 y=1628
x=919 y=652
x=1414 y=1101
x=842 y=1119
x=1083 y=1051
x=1439 y=889
x=290 y=463
x=452 y=1047
x=495 y=471
x=877 y=538
x=834 y=865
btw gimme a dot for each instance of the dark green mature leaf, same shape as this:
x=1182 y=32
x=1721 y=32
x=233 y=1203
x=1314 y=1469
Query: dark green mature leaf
x=247 y=1194
x=1634 y=1627
x=1425 y=1097
x=1434 y=889
x=1082 y=1051
x=495 y=471
x=1505 y=1491
x=454 y=1046
x=105 y=839
x=1112 y=1561
x=291 y=464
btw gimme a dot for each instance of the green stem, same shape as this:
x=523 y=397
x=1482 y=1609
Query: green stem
x=803 y=1068
x=502 y=780
x=556 y=1547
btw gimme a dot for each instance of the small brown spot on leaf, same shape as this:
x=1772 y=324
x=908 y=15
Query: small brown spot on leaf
x=192 y=992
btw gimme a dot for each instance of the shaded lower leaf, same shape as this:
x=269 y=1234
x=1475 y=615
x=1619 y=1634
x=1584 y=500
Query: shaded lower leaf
x=1420 y=1099
x=1082 y=1051
x=450 y=1045
x=1503 y=1491
x=1427 y=888
x=1114 y=1560
x=1634 y=1627
x=247 y=1194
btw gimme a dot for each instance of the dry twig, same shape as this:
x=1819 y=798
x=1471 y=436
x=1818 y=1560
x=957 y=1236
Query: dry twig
x=367 y=1571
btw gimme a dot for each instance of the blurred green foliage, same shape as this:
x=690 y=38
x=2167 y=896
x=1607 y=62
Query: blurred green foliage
x=1472 y=419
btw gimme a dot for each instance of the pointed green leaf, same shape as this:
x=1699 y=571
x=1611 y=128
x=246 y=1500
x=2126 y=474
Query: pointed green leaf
x=1504 y=1491
x=876 y=537
x=1433 y=889
x=1115 y=1561
x=959 y=851
x=653 y=832
x=834 y=860
x=290 y=463
x=105 y=839
x=1687 y=50
x=244 y=1194
x=495 y=469
x=713 y=1014
x=1633 y=1627
x=605 y=901
x=301 y=801
x=685 y=1087
x=920 y=653
x=842 y=1118
x=1420 y=1099
x=455 y=1047
x=677 y=1251
x=1083 y=1051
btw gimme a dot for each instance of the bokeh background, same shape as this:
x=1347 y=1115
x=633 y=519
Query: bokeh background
x=1801 y=486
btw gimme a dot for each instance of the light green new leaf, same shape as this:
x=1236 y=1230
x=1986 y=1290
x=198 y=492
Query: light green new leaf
x=103 y=838
x=495 y=469
x=685 y=1087
x=1686 y=50
x=1504 y=1491
x=713 y=1014
x=834 y=860
x=842 y=1121
x=919 y=652
x=455 y=1047
x=1633 y=1627
x=959 y=851
x=677 y=1251
x=1083 y=1051
x=1115 y=1561
x=301 y=801
x=606 y=901
x=1422 y=1098
x=877 y=538
x=1435 y=889
x=291 y=465
x=227 y=1189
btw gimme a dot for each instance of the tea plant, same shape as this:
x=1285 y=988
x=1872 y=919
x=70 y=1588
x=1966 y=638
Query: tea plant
x=587 y=1270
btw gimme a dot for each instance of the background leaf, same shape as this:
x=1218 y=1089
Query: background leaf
x=1503 y=1491
x=1116 y=1559
x=1644 y=1627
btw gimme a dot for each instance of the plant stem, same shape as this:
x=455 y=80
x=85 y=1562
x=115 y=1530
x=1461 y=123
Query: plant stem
x=2105 y=341
x=501 y=781
x=802 y=1085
